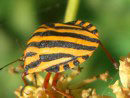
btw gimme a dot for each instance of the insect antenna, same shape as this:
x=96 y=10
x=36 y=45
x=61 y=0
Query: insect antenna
x=11 y=63
x=116 y=65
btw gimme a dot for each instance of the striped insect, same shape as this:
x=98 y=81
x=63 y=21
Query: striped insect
x=57 y=47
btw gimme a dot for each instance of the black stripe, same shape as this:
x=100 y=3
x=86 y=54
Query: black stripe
x=57 y=43
x=74 y=28
x=50 y=69
x=74 y=35
x=71 y=24
x=52 y=25
x=32 y=65
x=65 y=27
x=29 y=54
x=37 y=63
x=53 y=69
x=50 y=57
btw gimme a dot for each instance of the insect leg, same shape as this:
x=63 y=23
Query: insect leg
x=116 y=65
x=45 y=84
x=25 y=82
x=46 y=81
x=35 y=78
x=55 y=79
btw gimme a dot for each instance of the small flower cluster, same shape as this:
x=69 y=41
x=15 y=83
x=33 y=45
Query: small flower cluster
x=124 y=73
x=36 y=89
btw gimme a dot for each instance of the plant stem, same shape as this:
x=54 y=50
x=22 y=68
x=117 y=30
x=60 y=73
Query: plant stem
x=71 y=10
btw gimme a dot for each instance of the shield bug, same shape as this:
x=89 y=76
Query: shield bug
x=57 y=47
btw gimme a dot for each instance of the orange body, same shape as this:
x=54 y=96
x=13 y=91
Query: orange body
x=60 y=46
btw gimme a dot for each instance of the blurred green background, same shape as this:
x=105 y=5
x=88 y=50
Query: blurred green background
x=18 y=18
